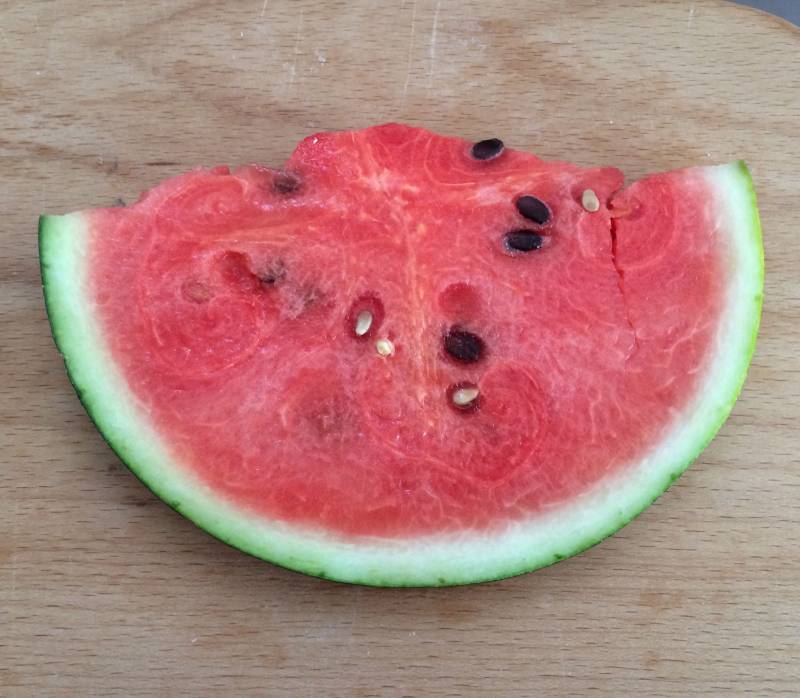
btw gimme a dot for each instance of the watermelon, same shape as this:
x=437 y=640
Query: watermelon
x=408 y=359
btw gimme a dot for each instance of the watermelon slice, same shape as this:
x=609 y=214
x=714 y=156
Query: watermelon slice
x=406 y=359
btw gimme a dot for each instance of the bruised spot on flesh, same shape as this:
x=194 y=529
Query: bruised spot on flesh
x=195 y=291
x=298 y=299
x=238 y=271
x=273 y=273
x=286 y=183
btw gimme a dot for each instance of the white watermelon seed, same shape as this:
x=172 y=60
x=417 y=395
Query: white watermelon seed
x=363 y=323
x=464 y=396
x=384 y=347
x=590 y=201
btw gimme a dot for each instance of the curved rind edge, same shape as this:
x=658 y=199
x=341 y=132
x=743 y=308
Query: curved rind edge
x=442 y=560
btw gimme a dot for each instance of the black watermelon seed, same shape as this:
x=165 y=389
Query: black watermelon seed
x=488 y=149
x=533 y=209
x=462 y=345
x=523 y=240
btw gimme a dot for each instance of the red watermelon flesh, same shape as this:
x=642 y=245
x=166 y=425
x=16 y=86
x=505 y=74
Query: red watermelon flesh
x=228 y=302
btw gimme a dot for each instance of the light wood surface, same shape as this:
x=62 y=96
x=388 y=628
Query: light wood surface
x=106 y=591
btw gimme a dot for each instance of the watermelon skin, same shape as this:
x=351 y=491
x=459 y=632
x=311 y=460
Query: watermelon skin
x=453 y=558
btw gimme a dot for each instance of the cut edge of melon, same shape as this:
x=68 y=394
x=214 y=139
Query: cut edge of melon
x=421 y=561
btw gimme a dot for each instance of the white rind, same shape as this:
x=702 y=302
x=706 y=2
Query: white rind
x=434 y=560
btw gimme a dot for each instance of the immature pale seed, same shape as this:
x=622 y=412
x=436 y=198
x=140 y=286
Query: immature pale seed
x=384 y=347
x=363 y=323
x=590 y=201
x=464 y=396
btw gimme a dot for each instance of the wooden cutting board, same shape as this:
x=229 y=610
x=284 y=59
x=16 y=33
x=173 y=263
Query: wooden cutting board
x=106 y=591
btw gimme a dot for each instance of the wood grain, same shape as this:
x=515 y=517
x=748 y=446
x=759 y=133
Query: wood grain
x=106 y=591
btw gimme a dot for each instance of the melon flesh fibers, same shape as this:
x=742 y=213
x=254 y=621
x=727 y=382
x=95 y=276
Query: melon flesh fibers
x=394 y=362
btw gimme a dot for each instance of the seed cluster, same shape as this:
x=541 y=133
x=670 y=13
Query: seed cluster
x=460 y=344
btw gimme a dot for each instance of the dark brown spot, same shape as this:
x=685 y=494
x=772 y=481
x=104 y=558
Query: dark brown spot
x=487 y=149
x=463 y=346
x=533 y=209
x=196 y=292
x=286 y=182
x=522 y=241
x=274 y=273
x=295 y=299
x=308 y=295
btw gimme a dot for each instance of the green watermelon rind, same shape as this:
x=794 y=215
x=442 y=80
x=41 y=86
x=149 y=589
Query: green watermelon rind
x=439 y=560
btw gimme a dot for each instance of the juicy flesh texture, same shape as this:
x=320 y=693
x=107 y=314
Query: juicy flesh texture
x=229 y=304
